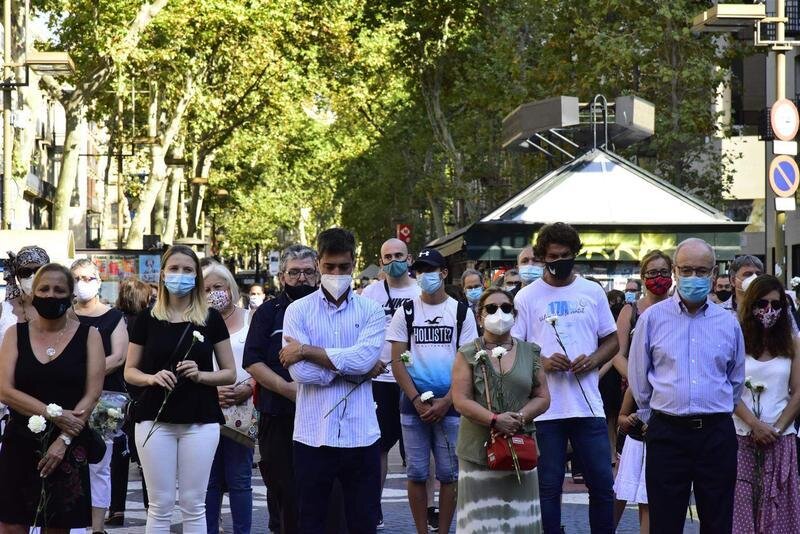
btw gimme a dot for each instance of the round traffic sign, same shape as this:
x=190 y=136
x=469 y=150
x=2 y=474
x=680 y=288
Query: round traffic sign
x=784 y=176
x=784 y=119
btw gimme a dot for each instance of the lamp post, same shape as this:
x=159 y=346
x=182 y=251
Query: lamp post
x=733 y=17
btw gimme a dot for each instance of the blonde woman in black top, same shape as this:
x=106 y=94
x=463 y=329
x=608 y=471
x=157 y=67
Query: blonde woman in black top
x=186 y=433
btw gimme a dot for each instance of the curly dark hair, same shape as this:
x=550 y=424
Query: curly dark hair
x=336 y=241
x=560 y=233
x=778 y=339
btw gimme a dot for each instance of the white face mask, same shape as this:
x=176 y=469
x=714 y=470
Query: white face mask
x=499 y=322
x=747 y=281
x=26 y=285
x=336 y=284
x=86 y=291
x=256 y=300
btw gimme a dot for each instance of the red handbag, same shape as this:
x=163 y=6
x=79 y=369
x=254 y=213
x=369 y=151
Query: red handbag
x=516 y=453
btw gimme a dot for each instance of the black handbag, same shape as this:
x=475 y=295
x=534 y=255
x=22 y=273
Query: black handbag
x=95 y=446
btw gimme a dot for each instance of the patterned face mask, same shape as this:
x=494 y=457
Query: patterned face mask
x=219 y=299
x=767 y=316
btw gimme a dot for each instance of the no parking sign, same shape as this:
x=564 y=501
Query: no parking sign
x=784 y=176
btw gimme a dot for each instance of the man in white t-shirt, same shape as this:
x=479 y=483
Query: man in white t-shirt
x=391 y=293
x=578 y=310
x=435 y=325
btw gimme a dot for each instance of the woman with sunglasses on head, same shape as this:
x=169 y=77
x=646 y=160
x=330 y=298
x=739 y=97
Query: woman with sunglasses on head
x=767 y=497
x=177 y=415
x=109 y=322
x=518 y=392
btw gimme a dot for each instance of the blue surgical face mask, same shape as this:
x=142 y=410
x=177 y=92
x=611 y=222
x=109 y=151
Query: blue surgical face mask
x=694 y=289
x=179 y=284
x=630 y=297
x=474 y=293
x=396 y=269
x=429 y=282
x=530 y=273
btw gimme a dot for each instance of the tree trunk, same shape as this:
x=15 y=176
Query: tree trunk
x=83 y=93
x=202 y=169
x=175 y=185
x=158 y=222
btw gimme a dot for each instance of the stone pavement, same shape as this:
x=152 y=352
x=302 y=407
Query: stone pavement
x=397 y=515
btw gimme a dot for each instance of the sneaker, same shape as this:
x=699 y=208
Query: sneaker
x=433 y=519
x=380 y=525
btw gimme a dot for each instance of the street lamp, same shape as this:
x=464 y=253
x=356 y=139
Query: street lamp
x=733 y=17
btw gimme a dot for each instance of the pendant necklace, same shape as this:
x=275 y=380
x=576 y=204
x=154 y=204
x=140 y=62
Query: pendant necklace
x=51 y=350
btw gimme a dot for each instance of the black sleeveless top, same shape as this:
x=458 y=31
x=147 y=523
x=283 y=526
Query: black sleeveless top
x=106 y=324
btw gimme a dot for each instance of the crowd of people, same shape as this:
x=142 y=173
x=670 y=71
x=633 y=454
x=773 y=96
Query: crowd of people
x=685 y=382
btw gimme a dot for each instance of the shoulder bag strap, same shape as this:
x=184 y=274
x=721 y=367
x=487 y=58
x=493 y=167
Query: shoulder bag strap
x=461 y=316
x=177 y=346
x=388 y=296
x=408 y=308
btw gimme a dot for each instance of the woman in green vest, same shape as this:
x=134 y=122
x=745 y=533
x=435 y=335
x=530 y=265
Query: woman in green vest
x=495 y=501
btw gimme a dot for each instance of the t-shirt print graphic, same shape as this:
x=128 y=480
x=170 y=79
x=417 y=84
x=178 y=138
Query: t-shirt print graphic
x=434 y=334
x=394 y=304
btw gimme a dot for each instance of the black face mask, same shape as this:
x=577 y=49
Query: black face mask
x=299 y=291
x=561 y=269
x=723 y=295
x=51 y=307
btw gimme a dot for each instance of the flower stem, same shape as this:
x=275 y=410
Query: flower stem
x=345 y=397
x=561 y=344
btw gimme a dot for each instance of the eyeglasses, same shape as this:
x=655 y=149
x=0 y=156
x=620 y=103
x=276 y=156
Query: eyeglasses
x=491 y=309
x=687 y=271
x=85 y=278
x=763 y=303
x=655 y=273
x=294 y=274
x=27 y=272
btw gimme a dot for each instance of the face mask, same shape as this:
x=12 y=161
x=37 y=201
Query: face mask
x=510 y=287
x=474 y=294
x=51 y=307
x=429 y=282
x=694 y=289
x=723 y=295
x=530 y=273
x=499 y=322
x=396 y=269
x=179 y=284
x=561 y=269
x=86 y=291
x=299 y=291
x=630 y=297
x=659 y=285
x=747 y=281
x=219 y=299
x=336 y=284
x=26 y=285
x=767 y=316
x=256 y=300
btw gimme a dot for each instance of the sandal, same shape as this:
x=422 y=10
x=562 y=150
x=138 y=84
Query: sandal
x=116 y=519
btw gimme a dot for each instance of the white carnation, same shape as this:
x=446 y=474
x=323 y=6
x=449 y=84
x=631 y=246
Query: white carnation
x=553 y=319
x=198 y=336
x=499 y=352
x=54 y=410
x=425 y=397
x=114 y=413
x=37 y=424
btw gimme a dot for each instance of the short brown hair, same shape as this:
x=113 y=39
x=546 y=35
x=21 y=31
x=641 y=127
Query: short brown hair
x=54 y=267
x=134 y=296
x=654 y=255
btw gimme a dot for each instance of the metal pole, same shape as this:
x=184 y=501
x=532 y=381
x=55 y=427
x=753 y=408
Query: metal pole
x=8 y=136
x=780 y=93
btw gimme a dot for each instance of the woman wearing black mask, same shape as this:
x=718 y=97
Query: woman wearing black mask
x=51 y=374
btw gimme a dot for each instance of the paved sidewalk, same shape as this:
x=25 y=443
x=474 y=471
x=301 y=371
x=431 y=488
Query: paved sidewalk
x=397 y=515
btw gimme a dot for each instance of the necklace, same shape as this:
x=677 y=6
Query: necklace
x=231 y=313
x=507 y=345
x=51 y=349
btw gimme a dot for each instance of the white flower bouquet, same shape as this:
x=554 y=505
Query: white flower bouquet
x=108 y=415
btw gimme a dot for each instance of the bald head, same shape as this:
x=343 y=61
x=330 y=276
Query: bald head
x=695 y=249
x=394 y=250
x=393 y=246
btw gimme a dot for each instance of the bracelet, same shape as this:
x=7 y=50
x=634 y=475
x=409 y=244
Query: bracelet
x=522 y=416
x=415 y=397
x=494 y=420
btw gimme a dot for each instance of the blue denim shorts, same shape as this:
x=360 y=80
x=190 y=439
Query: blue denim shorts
x=421 y=439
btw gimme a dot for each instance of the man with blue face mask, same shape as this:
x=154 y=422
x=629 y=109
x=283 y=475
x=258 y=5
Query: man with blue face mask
x=530 y=268
x=396 y=289
x=686 y=371
x=432 y=327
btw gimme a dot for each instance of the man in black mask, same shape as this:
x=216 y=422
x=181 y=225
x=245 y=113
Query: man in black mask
x=723 y=290
x=299 y=277
x=569 y=318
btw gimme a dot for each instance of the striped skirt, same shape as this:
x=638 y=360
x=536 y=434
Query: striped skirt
x=779 y=499
x=494 y=501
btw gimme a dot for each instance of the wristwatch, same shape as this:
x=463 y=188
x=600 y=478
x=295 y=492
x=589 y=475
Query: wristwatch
x=66 y=439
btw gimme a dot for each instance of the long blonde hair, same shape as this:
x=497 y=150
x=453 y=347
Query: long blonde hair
x=198 y=306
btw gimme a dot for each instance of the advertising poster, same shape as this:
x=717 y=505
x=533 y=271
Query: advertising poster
x=149 y=266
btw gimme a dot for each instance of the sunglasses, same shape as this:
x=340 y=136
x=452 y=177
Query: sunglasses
x=27 y=272
x=763 y=303
x=491 y=309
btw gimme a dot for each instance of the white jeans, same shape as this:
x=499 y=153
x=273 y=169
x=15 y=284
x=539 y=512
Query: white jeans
x=182 y=452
